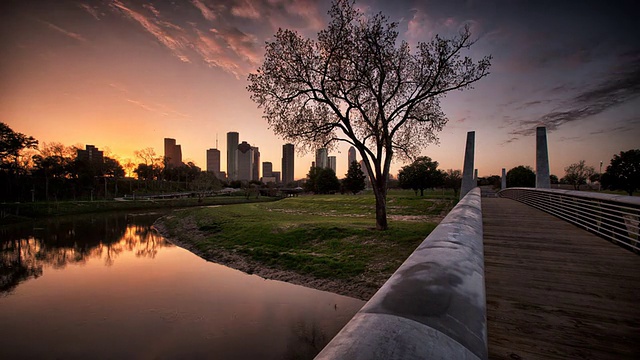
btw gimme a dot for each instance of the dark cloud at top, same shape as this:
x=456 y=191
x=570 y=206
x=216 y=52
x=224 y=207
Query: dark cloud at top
x=621 y=86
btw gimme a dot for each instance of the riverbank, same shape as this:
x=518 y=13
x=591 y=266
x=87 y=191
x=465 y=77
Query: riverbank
x=11 y=213
x=324 y=242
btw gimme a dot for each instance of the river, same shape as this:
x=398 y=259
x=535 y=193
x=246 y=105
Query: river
x=108 y=286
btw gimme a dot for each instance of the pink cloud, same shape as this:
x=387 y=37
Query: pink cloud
x=154 y=29
x=70 y=34
x=245 y=9
x=204 y=9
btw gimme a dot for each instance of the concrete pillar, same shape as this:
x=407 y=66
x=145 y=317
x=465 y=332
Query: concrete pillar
x=503 y=185
x=467 y=171
x=542 y=159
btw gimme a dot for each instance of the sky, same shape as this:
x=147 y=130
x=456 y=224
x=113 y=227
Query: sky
x=122 y=75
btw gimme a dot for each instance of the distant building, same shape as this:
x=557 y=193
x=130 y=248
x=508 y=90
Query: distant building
x=91 y=155
x=172 y=153
x=322 y=160
x=367 y=179
x=288 y=156
x=276 y=175
x=352 y=155
x=332 y=163
x=255 y=165
x=213 y=162
x=267 y=169
x=232 y=155
x=245 y=162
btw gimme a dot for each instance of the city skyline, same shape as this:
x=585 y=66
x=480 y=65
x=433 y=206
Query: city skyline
x=124 y=75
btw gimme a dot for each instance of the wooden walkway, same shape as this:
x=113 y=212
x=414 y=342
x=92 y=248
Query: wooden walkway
x=555 y=291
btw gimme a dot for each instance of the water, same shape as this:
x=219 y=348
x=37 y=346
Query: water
x=108 y=286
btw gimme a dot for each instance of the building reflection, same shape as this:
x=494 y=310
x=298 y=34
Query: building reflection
x=25 y=251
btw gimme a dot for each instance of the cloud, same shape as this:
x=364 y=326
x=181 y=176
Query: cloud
x=70 y=34
x=152 y=27
x=245 y=9
x=621 y=86
x=204 y=10
x=91 y=10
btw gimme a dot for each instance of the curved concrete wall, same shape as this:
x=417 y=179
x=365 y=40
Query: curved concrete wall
x=433 y=306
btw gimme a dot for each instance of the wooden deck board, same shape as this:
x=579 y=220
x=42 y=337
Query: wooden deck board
x=555 y=291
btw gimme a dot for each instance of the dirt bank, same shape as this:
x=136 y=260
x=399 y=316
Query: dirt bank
x=358 y=288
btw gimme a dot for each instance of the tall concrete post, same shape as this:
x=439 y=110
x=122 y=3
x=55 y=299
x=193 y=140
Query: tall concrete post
x=542 y=159
x=468 y=182
x=503 y=185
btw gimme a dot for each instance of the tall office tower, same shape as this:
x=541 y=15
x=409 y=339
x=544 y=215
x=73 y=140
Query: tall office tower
x=367 y=179
x=172 y=152
x=91 y=155
x=332 y=163
x=245 y=162
x=255 y=169
x=213 y=162
x=232 y=155
x=352 y=155
x=322 y=160
x=287 y=163
x=267 y=169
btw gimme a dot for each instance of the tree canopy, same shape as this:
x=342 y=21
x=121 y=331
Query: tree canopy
x=358 y=84
x=521 y=176
x=12 y=143
x=624 y=172
x=353 y=181
x=422 y=174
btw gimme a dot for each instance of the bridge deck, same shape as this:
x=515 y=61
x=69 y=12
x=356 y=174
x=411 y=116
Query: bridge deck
x=555 y=291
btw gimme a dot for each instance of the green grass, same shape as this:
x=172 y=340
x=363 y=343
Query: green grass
x=16 y=212
x=326 y=236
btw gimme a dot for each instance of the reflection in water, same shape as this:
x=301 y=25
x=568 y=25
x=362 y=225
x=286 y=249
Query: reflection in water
x=26 y=251
x=110 y=287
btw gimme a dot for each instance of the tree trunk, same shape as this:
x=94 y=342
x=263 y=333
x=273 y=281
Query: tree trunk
x=381 y=211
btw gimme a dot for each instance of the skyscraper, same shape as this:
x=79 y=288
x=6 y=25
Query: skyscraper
x=213 y=162
x=352 y=155
x=245 y=162
x=322 y=160
x=232 y=155
x=172 y=153
x=255 y=168
x=332 y=163
x=287 y=163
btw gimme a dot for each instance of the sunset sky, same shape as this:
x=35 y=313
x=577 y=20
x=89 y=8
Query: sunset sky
x=125 y=74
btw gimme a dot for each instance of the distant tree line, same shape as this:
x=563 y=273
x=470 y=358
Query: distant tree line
x=30 y=171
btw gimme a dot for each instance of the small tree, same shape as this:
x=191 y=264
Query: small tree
x=422 y=174
x=521 y=176
x=624 y=172
x=353 y=181
x=322 y=181
x=453 y=180
x=205 y=182
x=358 y=84
x=577 y=174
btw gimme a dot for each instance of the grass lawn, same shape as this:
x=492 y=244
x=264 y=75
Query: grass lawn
x=325 y=236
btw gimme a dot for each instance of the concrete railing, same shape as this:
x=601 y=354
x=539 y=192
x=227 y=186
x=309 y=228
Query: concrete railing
x=614 y=217
x=433 y=306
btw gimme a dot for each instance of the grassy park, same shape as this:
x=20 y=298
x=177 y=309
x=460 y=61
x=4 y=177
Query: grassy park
x=321 y=236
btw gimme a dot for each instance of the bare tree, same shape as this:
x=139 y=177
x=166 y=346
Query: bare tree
x=357 y=84
x=578 y=173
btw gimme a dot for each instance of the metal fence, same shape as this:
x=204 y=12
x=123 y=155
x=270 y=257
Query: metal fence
x=614 y=217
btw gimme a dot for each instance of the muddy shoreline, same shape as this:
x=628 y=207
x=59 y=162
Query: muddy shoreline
x=358 y=288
